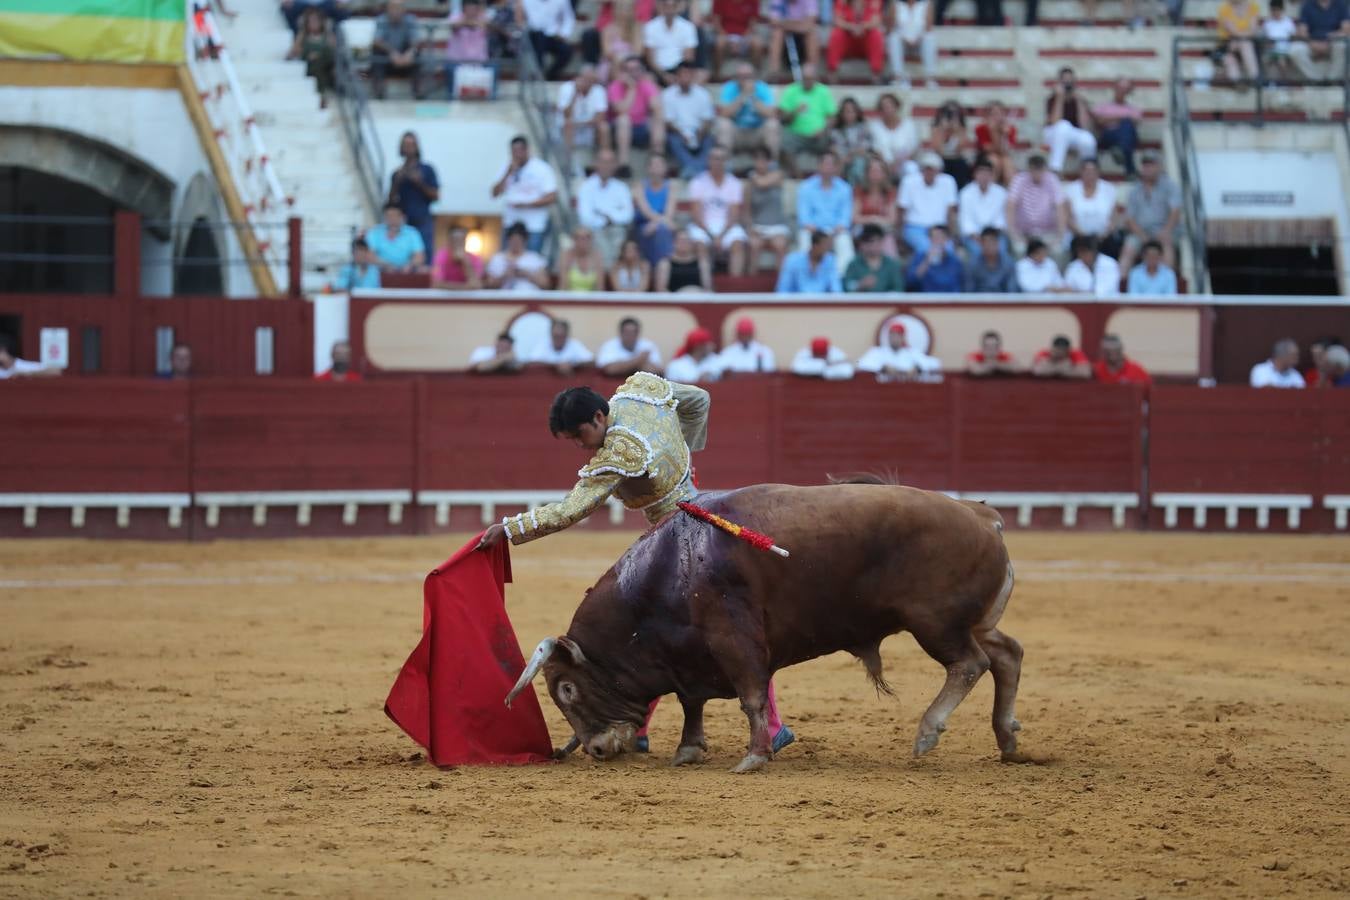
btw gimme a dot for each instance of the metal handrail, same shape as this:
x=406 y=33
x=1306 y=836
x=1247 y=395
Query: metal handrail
x=359 y=127
x=535 y=105
x=1189 y=170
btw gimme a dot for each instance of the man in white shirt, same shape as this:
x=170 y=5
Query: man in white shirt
x=821 y=359
x=1090 y=202
x=549 y=24
x=530 y=189
x=689 y=120
x=980 y=205
x=1092 y=272
x=895 y=360
x=715 y=219
x=746 y=354
x=13 y=367
x=668 y=39
x=1037 y=272
x=561 y=351
x=926 y=199
x=605 y=206
x=498 y=359
x=582 y=108
x=696 y=361
x=1281 y=370
x=629 y=353
x=516 y=267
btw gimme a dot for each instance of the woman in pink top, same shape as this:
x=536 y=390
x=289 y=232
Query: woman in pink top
x=454 y=267
x=635 y=110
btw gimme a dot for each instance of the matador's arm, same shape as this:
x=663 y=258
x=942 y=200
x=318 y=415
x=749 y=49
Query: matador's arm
x=580 y=502
x=694 y=404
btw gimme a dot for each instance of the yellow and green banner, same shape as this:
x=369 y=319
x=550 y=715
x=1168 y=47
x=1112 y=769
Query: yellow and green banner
x=129 y=31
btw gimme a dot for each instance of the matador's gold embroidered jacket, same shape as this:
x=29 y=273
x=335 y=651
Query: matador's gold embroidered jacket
x=653 y=426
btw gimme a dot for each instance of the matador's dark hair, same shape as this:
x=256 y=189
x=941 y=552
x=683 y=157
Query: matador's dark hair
x=573 y=408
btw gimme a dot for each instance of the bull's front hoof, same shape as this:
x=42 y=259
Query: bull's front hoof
x=688 y=756
x=925 y=743
x=752 y=763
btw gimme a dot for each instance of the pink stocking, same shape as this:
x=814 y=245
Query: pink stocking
x=651 y=710
x=771 y=708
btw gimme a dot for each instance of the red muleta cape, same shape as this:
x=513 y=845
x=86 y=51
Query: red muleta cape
x=449 y=695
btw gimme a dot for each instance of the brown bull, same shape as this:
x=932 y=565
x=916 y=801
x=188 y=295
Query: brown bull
x=693 y=611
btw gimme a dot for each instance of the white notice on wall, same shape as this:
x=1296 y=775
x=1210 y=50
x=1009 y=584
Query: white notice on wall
x=55 y=343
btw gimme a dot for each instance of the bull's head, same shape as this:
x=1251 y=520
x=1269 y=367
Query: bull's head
x=604 y=719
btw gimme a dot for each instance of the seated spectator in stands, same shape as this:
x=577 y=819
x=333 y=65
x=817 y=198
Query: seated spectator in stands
x=821 y=359
x=1281 y=370
x=635 y=110
x=856 y=33
x=294 y=10
x=1335 y=367
x=669 y=41
x=516 y=267
x=696 y=360
x=454 y=267
x=1036 y=206
x=686 y=269
x=912 y=36
x=1152 y=276
x=871 y=271
x=895 y=360
x=619 y=30
x=769 y=229
x=991 y=270
x=530 y=189
x=950 y=139
x=398 y=41
x=13 y=367
x=1091 y=271
x=734 y=33
x=656 y=200
x=811 y=271
x=927 y=198
x=1115 y=368
x=341 y=369
x=1317 y=350
x=581 y=268
x=628 y=353
x=630 y=272
x=717 y=198
x=414 y=187
x=980 y=206
x=468 y=42
x=894 y=137
x=1117 y=124
x=605 y=206
x=991 y=359
x=747 y=118
x=996 y=141
x=793 y=20
x=396 y=244
x=874 y=205
x=1090 y=204
x=363 y=272
x=1061 y=361
x=745 y=354
x=498 y=359
x=1278 y=32
x=316 y=44
x=807 y=108
x=504 y=30
x=1152 y=211
x=582 y=111
x=1239 y=26
x=1068 y=122
x=825 y=207
x=689 y=119
x=938 y=269
x=1037 y=272
x=549 y=24
x=851 y=140
x=180 y=363
x=564 y=353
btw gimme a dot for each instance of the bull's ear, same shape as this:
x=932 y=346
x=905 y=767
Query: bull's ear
x=572 y=648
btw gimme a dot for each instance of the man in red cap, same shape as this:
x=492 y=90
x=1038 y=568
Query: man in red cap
x=821 y=359
x=746 y=354
x=695 y=361
x=895 y=360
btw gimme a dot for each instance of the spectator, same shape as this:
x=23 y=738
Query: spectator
x=1317 y=350
x=656 y=200
x=1068 y=122
x=996 y=141
x=530 y=189
x=635 y=110
x=811 y=271
x=397 y=245
x=398 y=40
x=871 y=271
x=581 y=268
x=582 y=111
x=733 y=23
x=549 y=24
x=794 y=20
x=857 y=34
x=1061 y=361
x=948 y=136
x=937 y=270
x=13 y=367
x=1090 y=204
x=630 y=273
x=468 y=43
x=294 y=11
x=825 y=207
x=1239 y=25
x=605 y=206
x=564 y=353
x=504 y=31
x=1037 y=272
x=894 y=137
x=689 y=117
x=1335 y=368
x=895 y=360
x=745 y=354
x=746 y=115
x=180 y=363
x=628 y=353
x=1152 y=276
x=316 y=45
x=1278 y=30
x=516 y=267
x=769 y=229
x=414 y=187
x=341 y=369
x=717 y=197
x=821 y=359
x=991 y=359
x=620 y=36
x=1281 y=370
x=1152 y=212
x=991 y=270
x=669 y=41
x=686 y=269
x=851 y=140
x=696 y=361
x=1117 y=124
x=1036 y=206
x=927 y=198
x=1091 y=271
x=981 y=205
x=455 y=267
x=498 y=359
x=912 y=35
x=807 y=107
x=1115 y=368
x=362 y=273
x=874 y=204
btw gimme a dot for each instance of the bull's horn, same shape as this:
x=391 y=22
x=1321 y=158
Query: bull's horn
x=541 y=655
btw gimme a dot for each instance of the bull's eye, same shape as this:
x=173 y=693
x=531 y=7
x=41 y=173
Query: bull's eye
x=567 y=691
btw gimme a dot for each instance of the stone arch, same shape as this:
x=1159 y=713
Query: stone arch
x=199 y=200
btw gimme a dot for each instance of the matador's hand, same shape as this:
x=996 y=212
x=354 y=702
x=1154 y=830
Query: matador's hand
x=494 y=535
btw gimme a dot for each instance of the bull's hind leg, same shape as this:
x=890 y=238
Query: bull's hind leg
x=755 y=705
x=1005 y=661
x=965 y=662
x=692 y=742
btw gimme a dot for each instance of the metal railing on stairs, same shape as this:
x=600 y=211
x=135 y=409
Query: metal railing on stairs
x=1188 y=168
x=353 y=105
x=537 y=109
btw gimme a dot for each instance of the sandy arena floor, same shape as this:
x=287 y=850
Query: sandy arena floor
x=203 y=720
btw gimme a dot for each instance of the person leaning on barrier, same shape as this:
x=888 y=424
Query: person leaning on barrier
x=341 y=370
x=1281 y=370
x=991 y=359
x=1061 y=360
x=496 y=359
x=13 y=367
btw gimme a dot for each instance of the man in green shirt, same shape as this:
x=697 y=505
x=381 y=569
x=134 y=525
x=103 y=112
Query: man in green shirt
x=806 y=109
x=871 y=271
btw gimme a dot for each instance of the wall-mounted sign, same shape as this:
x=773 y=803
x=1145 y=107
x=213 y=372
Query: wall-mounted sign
x=1257 y=198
